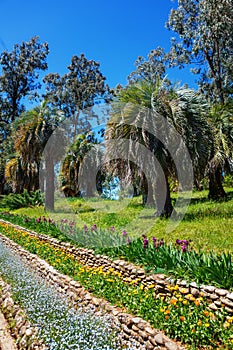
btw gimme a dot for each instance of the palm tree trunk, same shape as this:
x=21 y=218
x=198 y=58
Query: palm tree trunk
x=163 y=201
x=2 y=185
x=216 y=190
x=147 y=192
x=49 y=191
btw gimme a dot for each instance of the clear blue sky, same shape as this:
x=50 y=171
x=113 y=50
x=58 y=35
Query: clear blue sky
x=111 y=32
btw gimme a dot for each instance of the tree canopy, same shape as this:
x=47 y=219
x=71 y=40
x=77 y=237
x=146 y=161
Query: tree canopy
x=204 y=40
x=19 y=76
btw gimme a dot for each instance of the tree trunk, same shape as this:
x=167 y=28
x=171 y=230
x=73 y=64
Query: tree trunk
x=163 y=201
x=2 y=184
x=147 y=192
x=135 y=191
x=49 y=190
x=90 y=190
x=216 y=190
x=18 y=184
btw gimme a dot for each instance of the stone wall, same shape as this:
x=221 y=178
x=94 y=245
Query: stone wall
x=131 y=328
x=216 y=296
x=25 y=335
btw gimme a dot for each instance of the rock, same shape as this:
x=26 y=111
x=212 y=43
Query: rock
x=75 y=284
x=230 y=296
x=218 y=303
x=213 y=297
x=182 y=283
x=228 y=309
x=136 y=320
x=135 y=328
x=213 y=307
x=171 y=346
x=95 y=301
x=23 y=343
x=221 y=292
x=159 y=339
x=227 y=302
x=209 y=289
x=22 y=330
x=29 y=332
x=141 y=325
x=143 y=334
x=71 y=295
x=20 y=321
x=140 y=272
x=8 y=303
x=195 y=292
x=194 y=285
x=88 y=297
x=126 y=329
x=149 y=346
x=170 y=280
x=115 y=312
x=150 y=331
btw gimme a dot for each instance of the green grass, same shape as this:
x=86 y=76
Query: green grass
x=207 y=223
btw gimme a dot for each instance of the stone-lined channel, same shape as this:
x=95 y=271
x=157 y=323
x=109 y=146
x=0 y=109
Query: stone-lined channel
x=47 y=315
x=132 y=328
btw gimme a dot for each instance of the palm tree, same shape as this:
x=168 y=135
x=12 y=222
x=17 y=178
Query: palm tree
x=71 y=167
x=31 y=133
x=221 y=121
x=144 y=113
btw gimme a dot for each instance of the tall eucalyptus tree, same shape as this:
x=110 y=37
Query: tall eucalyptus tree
x=205 y=41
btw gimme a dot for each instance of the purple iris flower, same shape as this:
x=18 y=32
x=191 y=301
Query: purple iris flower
x=145 y=243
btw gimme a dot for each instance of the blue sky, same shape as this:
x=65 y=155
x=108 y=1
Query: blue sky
x=111 y=32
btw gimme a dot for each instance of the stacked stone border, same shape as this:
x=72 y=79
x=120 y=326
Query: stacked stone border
x=132 y=329
x=20 y=328
x=216 y=296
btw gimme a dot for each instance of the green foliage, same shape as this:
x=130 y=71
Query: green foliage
x=26 y=199
x=216 y=269
x=19 y=73
x=207 y=223
x=71 y=168
x=155 y=256
x=228 y=180
x=39 y=224
x=78 y=89
x=152 y=69
x=205 y=40
x=150 y=113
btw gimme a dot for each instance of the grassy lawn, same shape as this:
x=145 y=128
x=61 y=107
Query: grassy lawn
x=207 y=223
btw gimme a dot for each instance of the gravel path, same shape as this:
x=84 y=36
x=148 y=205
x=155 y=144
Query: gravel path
x=6 y=340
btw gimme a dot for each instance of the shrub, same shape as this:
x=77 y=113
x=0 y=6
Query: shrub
x=25 y=199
